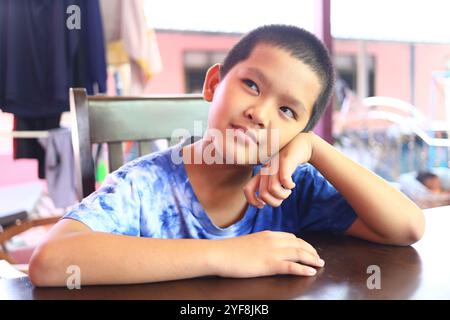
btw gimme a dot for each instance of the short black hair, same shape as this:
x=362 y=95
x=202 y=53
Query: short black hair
x=302 y=45
x=423 y=176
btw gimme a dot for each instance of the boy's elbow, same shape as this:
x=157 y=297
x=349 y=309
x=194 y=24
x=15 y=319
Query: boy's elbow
x=416 y=229
x=409 y=233
x=40 y=269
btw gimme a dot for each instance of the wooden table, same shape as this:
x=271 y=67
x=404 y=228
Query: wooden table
x=421 y=271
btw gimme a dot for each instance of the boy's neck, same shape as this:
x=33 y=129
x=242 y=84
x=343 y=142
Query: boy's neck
x=214 y=175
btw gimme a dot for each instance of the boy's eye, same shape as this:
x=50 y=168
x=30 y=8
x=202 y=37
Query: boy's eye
x=288 y=112
x=251 y=84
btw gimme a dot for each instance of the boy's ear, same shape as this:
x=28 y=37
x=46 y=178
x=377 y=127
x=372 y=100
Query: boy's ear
x=212 y=80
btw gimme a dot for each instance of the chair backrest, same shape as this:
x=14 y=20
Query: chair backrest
x=113 y=120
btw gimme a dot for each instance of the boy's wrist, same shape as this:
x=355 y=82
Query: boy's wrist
x=316 y=143
x=214 y=262
x=301 y=148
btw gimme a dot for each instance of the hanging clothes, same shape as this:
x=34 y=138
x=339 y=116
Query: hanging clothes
x=60 y=167
x=41 y=58
x=130 y=41
x=87 y=48
x=31 y=148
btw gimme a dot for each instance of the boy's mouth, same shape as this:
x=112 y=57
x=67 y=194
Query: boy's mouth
x=247 y=134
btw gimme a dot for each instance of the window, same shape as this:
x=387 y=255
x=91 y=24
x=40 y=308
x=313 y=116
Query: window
x=346 y=70
x=196 y=63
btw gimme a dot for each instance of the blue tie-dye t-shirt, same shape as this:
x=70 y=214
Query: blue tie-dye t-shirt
x=152 y=197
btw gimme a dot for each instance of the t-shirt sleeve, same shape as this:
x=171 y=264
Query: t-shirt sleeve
x=113 y=208
x=320 y=205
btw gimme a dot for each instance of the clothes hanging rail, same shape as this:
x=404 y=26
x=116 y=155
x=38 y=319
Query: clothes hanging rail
x=25 y=134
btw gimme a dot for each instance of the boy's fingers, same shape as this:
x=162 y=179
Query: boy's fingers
x=294 y=242
x=265 y=195
x=285 y=175
x=250 y=191
x=289 y=267
x=303 y=256
x=276 y=189
x=284 y=234
x=306 y=246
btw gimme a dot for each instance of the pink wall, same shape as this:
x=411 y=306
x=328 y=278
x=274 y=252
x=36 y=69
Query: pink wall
x=430 y=58
x=392 y=70
x=172 y=46
x=391 y=62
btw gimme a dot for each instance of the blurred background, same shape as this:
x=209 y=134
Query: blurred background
x=390 y=111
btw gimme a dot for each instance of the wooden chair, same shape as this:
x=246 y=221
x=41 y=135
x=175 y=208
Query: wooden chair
x=114 y=120
x=18 y=227
x=18 y=214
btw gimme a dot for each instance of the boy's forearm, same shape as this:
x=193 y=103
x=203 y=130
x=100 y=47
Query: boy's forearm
x=379 y=205
x=115 y=259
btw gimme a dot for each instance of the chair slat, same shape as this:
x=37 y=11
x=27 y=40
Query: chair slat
x=114 y=121
x=115 y=155
x=144 y=148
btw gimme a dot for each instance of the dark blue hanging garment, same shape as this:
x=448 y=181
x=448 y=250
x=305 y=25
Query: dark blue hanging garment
x=41 y=58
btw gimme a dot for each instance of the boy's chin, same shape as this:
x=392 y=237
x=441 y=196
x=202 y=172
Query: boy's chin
x=240 y=154
x=244 y=159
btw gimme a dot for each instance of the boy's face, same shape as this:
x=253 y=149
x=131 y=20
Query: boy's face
x=269 y=94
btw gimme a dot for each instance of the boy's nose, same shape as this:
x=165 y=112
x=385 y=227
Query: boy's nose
x=258 y=115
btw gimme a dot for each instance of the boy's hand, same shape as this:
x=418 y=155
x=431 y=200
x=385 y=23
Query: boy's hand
x=265 y=253
x=276 y=186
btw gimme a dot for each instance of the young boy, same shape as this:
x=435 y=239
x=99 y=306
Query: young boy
x=157 y=219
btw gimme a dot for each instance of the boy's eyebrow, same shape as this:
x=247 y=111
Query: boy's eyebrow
x=291 y=100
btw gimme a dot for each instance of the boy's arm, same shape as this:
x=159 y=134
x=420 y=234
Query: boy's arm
x=105 y=258
x=385 y=214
